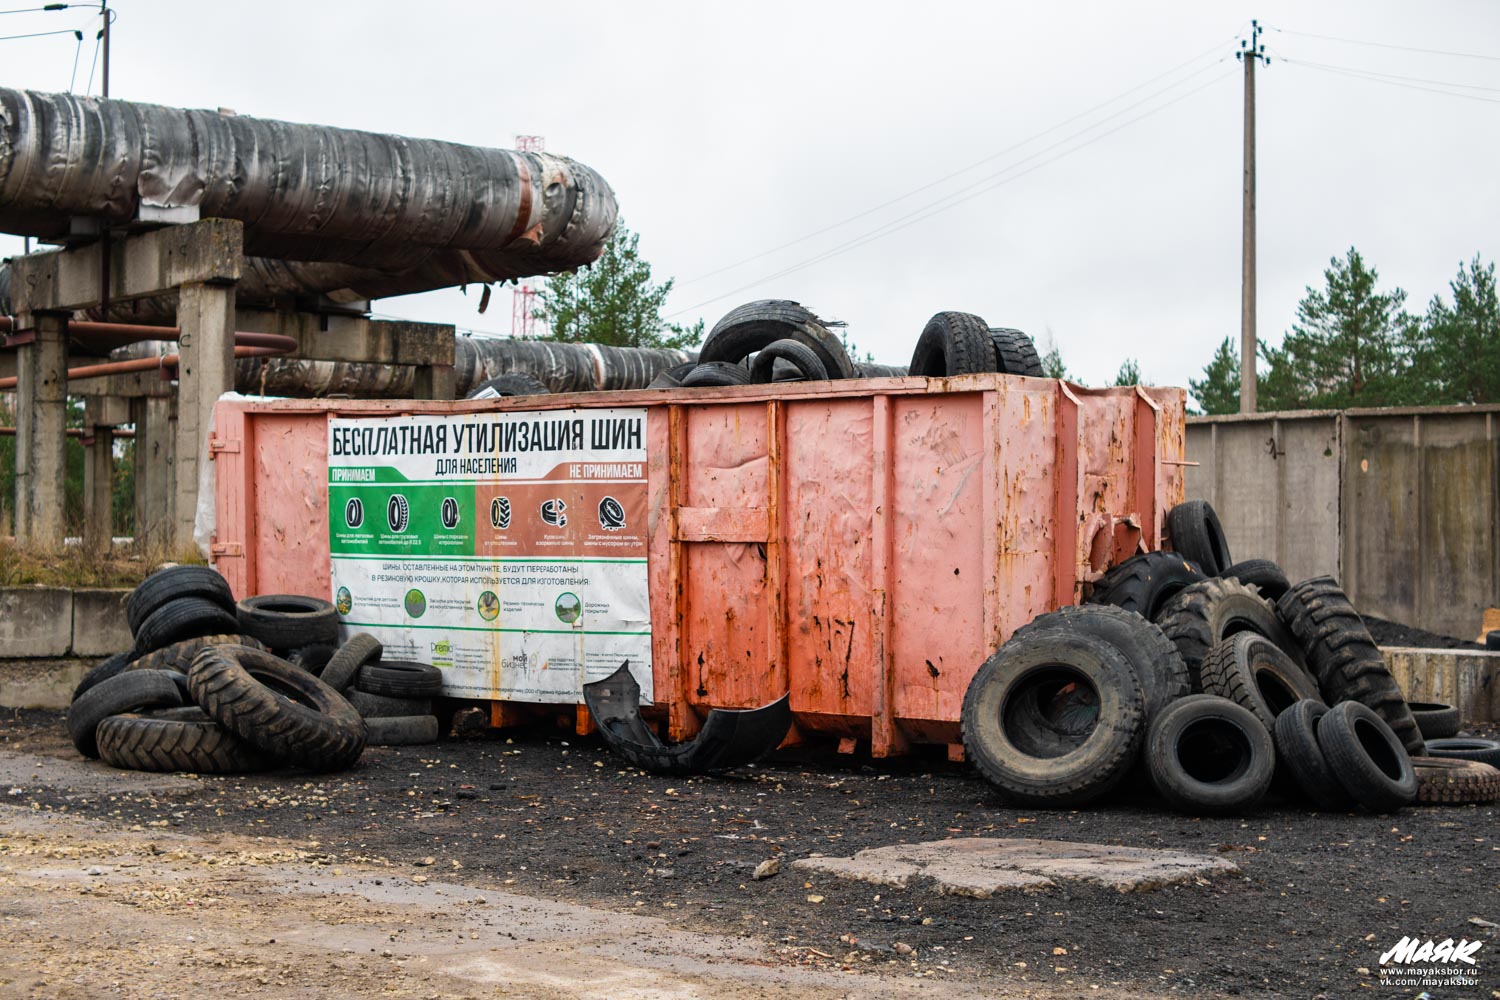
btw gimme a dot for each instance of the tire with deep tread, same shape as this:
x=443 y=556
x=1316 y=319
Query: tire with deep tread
x=1001 y=712
x=1443 y=781
x=361 y=649
x=289 y=621
x=953 y=343
x=1253 y=672
x=400 y=679
x=1158 y=665
x=1367 y=757
x=1263 y=574
x=748 y=328
x=242 y=689
x=1208 y=755
x=379 y=706
x=716 y=373
x=1145 y=583
x=1205 y=614
x=1466 y=748
x=1436 y=721
x=175 y=739
x=1196 y=535
x=402 y=730
x=798 y=355
x=179 y=656
x=1015 y=353
x=171 y=583
x=1343 y=657
x=183 y=618
x=101 y=671
x=511 y=384
x=1297 y=750
x=129 y=691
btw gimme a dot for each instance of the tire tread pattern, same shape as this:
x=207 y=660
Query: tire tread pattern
x=159 y=742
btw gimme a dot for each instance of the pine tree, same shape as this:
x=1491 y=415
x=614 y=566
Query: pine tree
x=1052 y=362
x=613 y=301
x=1457 y=353
x=1129 y=373
x=1219 y=389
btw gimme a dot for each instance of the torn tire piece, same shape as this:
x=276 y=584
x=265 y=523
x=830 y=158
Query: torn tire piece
x=729 y=738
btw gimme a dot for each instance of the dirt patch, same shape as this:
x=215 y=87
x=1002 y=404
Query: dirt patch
x=1389 y=633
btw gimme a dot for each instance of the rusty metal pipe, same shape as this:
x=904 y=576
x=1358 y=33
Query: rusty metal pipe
x=247 y=345
x=73 y=432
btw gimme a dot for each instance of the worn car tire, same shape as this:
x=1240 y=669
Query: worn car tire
x=1196 y=535
x=1158 y=665
x=1205 y=614
x=178 y=657
x=795 y=353
x=1342 y=656
x=1264 y=575
x=1435 y=721
x=129 y=691
x=402 y=730
x=312 y=658
x=510 y=384
x=748 y=328
x=171 y=583
x=183 y=618
x=1444 y=781
x=289 y=621
x=716 y=373
x=1252 y=671
x=1367 y=757
x=400 y=679
x=869 y=369
x=671 y=378
x=379 y=706
x=1297 y=750
x=361 y=649
x=1466 y=748
x=1208 y=755
x=1015 y=353
x=953 y=343
x=1015 y=720
x=1145 y=583
x=175 y=739
x=101 y=671
x=281 y=710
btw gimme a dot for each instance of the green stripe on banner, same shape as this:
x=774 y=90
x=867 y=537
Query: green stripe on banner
x=470 y=628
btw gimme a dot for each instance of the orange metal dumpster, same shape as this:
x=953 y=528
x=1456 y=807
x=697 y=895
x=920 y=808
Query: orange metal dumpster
x=862 y=544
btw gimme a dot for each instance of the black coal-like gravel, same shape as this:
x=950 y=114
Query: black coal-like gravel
x=1318 y=898
x=1389 y=633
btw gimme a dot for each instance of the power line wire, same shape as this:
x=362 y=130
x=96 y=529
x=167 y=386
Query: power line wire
x=48 y=7
x=77 y=51
x=1387 y=45
x=939 y=206
x=1371 y=78
x=94 y=61
x=978 y=163
x=35 y=34
x=1391 y=76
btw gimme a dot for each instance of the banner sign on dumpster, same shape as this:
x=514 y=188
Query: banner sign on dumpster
x=509 y=549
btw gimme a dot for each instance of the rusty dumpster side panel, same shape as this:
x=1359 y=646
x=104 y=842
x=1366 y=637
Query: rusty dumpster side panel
x=862 y=545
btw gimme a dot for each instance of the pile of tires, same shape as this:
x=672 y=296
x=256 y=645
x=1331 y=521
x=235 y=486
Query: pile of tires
x=1215 y=680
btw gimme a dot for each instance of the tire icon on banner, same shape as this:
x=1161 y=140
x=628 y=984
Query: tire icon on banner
x=500 y=513
x=450 y=513
x=398 y=513
x=611 y=514
x=553 y=512
x=354 y=512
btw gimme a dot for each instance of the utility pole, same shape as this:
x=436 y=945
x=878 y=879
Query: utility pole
x=104 y=13
x=1248 y=55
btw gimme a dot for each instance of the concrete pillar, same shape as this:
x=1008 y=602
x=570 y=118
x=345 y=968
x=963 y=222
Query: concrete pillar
x=154 y=442
x=41 y=429
x=205 y=371
x=100 y=416
x=434 y=382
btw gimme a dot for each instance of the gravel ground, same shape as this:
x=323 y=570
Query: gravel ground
x=546 y=814
x=1389 y=633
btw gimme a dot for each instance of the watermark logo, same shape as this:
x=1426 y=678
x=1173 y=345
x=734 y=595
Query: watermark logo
x=1415 y=962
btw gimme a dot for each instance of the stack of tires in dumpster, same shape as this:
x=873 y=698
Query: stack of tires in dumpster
x=212 y=685
x=1214 y=682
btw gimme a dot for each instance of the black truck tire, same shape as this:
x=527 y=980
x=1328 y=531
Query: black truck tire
x=795 y=353
x=1264 y=575
x=1158 y=665
x=511 y=384
x=716 y=373
x=1054 y=718
x=169 y=584
x=175 y=739
x=1205 y=614
x=1145 y=583
x=361 y=649
x=1252 y=671
x=281 y=710
x=1443 y=781
x=1367 y=757
x=379 y=706
x=748 y=328
x=400 y=679
x=1436 y=721
x=1297 y=750
x=402 y=730
x=671 y=378
x=1196 y=535
x=289 y=621
x=1016 y=353
x=1207 y=755
x=183 y=618
x=179 y=656
x=130 y=691
x=1342 y=655
x=953 y=343
x=1466 y=748
x=99 y=672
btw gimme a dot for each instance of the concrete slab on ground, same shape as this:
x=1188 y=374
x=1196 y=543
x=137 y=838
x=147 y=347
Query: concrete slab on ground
x=983 y=866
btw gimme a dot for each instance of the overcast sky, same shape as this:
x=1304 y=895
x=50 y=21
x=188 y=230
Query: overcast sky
x=729 y=131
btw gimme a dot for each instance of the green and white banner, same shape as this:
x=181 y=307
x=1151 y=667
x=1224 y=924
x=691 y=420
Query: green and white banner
x=509 y=549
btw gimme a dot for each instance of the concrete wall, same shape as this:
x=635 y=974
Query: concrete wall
x=1401 y=505
x=53 y=622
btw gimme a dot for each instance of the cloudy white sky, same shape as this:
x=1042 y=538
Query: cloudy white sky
x=890 y=142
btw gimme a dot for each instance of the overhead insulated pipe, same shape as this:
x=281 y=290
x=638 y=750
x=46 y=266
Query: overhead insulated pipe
x=376 y=214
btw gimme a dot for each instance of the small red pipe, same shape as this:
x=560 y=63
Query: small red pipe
x=246 y=345
x=72 y=432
